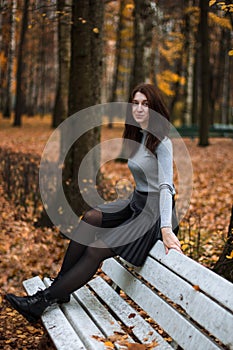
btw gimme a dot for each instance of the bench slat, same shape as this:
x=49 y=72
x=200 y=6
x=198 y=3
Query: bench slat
x=85 y=322
x=205 y=311
x=177 y=326
x=54 y=321
x=105 y=321
x=212 y=284
x=82 y=324
x=139 y=327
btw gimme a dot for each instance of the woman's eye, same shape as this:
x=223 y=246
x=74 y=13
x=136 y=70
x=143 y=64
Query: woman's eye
x=144 y=103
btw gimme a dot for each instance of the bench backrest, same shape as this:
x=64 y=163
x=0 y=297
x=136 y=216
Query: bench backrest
x=190 y=302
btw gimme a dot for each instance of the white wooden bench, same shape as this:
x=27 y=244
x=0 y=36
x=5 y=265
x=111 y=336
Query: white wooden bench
x=189 y=302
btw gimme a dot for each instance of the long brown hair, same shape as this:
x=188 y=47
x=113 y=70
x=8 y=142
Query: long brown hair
x=158 y=121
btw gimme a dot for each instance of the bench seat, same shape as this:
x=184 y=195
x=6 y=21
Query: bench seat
x=189 y=303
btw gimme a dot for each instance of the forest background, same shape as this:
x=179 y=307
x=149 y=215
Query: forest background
x=58 y=57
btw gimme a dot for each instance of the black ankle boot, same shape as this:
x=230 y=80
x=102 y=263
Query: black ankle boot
x=65 y=299
x=31 y=307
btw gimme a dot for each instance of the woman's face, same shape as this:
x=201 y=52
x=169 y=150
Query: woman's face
x=140 y=109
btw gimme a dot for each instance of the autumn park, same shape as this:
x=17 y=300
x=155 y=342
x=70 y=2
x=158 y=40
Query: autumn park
x=59 y=58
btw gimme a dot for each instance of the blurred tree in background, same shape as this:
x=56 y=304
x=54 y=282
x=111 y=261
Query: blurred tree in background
x=60 y=111
x=84 y=90
x=154 y=41
x=58 y=57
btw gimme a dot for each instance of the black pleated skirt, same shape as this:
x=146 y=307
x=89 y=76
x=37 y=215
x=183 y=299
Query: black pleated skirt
x=131 y=227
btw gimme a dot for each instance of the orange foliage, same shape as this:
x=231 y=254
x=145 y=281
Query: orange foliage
x=22 y=245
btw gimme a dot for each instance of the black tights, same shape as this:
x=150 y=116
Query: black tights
x=81 y=261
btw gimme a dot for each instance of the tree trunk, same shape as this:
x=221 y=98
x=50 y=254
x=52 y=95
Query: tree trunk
x=117 y=59
x=85 y=84
x=84 y=92
x=225 y=111
x=11 y=53
x=32 y=86
x=195 y=88
x=154 y=57
x=189 y=73
x=124 y=54
x=19 y=92
x=138 y=71
x=42 y=60
x=224 y=266
x=205 y=86
x=217 y=69
x=60 y=112
x=113 y=97
x=142 y=41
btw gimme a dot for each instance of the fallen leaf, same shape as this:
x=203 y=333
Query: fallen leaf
x=230 y=256
x=98 y=338
x=119 y=332
x=137 y=347
x=196 y=287
x=109 y=344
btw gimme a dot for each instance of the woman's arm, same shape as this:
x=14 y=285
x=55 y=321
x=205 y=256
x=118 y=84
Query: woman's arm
x=165 y=178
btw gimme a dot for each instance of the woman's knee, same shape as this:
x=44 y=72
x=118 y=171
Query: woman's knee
x=93 y=217
x=94 y=254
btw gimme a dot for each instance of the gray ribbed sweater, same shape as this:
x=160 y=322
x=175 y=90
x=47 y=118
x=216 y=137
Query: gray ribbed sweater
x=154 y=173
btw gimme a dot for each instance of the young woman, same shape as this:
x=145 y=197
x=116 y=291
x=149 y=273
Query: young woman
x=128 y=228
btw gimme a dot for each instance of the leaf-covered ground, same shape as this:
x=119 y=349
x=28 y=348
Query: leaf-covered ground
x=26 y=251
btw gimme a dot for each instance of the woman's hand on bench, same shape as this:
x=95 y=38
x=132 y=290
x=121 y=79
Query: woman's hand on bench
x=170 y=240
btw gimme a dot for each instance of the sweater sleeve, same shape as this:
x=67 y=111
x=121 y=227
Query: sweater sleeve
x=165 y=178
